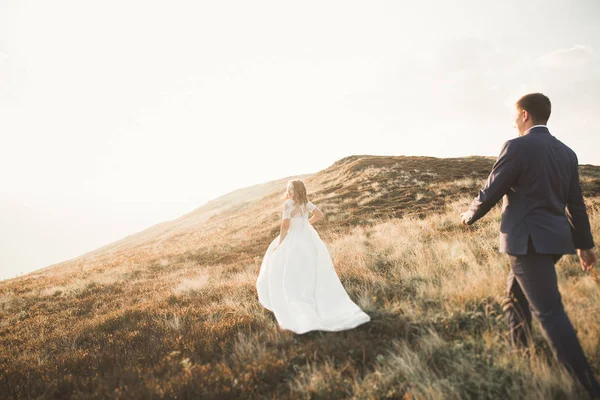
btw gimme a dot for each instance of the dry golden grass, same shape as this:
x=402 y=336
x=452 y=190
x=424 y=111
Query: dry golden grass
x=178 y=316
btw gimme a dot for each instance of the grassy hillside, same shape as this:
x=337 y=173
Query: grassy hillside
x=174 y=313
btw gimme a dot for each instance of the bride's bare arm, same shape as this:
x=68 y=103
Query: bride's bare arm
x=317 y=216
x=285 y=227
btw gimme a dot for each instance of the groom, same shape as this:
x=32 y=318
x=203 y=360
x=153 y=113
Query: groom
x=543 y=217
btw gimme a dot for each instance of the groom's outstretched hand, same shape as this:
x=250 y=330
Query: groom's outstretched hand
x=588 y=258
x=466 y=217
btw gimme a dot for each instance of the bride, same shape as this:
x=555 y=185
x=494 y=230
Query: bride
x=297 y=280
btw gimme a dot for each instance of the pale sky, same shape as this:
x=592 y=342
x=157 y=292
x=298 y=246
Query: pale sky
x=117 y=115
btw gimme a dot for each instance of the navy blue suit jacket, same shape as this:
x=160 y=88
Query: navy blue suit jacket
x=538 y=178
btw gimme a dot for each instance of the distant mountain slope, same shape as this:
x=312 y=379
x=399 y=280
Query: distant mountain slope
x=190 y=221
x=195 y=219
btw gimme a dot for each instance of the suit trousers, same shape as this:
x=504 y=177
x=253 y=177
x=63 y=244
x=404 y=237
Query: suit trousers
x=532 y=288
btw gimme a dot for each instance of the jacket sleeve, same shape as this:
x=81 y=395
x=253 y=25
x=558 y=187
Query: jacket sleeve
x=504 y=174
x=577 y=214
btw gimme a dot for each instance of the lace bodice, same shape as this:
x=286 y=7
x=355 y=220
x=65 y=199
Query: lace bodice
x=292 y=210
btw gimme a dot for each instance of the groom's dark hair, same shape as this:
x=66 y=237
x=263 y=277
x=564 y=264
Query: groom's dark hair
x=537 y=105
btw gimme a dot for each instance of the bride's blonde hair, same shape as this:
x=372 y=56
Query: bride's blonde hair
x=296 y=191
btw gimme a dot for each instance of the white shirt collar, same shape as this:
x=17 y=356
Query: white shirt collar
x=535 y=126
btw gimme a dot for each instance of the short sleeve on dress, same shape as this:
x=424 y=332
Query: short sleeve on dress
x=288 y=206
x=310 y=206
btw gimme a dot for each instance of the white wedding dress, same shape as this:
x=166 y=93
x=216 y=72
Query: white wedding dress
x=298 y=282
